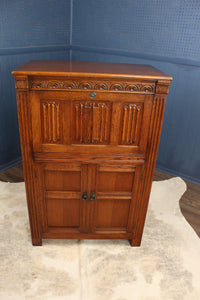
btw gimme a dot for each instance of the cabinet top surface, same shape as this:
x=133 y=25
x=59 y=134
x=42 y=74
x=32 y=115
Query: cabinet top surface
x=87 y=69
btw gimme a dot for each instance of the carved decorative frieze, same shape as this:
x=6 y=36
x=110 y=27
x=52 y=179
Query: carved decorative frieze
x=134 y=87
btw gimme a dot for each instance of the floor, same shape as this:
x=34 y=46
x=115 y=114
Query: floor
x=189 y=203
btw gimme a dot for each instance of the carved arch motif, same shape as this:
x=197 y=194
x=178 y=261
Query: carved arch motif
x=133 y=87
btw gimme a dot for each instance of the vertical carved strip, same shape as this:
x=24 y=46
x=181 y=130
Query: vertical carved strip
x=103 y=122
x=58 y=121
x=133 y=127
x=77 y=121
x=98 y=118
x=128 y=133
x=54 y=122
x=124 y=124
x=28 y=167
x=107 y=122
x=94 y=109
x=81 y=123
x=100 y=123
x=85 y=111
x=45 y=121
x=49 y=121
x=137 y=121
x=90 y=123
x=87 y=123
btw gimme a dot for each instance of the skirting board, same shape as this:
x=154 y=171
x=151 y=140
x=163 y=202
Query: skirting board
x=179 y=174
x=10 y=164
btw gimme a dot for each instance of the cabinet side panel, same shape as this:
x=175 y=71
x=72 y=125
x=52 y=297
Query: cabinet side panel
x=149 y=167
x=31 y=188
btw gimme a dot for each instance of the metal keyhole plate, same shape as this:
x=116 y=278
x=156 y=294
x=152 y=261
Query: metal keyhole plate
x=92 y=95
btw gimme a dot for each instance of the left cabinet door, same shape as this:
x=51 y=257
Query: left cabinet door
x=61 y=189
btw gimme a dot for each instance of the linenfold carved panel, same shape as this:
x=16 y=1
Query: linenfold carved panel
x=92 y=122
x=133 y=87
x=131 y=124
x=51 y=122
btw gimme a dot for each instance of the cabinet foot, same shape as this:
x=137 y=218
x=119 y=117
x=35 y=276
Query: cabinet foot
x=36 y=242
x=135 y=242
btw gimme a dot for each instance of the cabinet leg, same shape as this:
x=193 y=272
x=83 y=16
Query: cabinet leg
x=36 y=242
x=135 y=242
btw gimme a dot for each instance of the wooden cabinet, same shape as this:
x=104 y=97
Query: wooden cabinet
x=89 y=138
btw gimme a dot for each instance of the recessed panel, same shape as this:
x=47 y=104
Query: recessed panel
x=62 y=180
x=112 y=213
x=115 y=181
x=91 y=122
x=131 y=124
x=51 y=122
x=63 y=212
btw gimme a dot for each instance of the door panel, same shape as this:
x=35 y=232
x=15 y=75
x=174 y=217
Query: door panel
x=73 y=123
x=62 y=186
x=116 y=191
x=111 y=181
x=112 y=213
x=58 y=180
x=63 y=212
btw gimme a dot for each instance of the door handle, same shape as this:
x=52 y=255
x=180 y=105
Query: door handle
x=84 y=196
x=92 y=196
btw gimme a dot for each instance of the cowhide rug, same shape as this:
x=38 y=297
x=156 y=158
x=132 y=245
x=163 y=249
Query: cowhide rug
x=166 y=266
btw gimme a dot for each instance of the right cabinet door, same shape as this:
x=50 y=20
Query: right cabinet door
x=116 y=190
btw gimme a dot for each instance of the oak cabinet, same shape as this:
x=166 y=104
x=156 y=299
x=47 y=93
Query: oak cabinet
x=89 y=137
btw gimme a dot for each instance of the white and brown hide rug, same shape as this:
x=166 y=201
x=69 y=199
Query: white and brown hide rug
x=165 y=267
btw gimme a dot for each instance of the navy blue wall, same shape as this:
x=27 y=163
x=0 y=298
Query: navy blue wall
x=164 y=34
x=38 y=29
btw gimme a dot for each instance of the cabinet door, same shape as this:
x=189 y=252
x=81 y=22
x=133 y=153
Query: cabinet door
x=61 y=190
x=113 y=193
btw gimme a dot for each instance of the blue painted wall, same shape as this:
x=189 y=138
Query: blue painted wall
x=164 y=34
x=38 y=29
